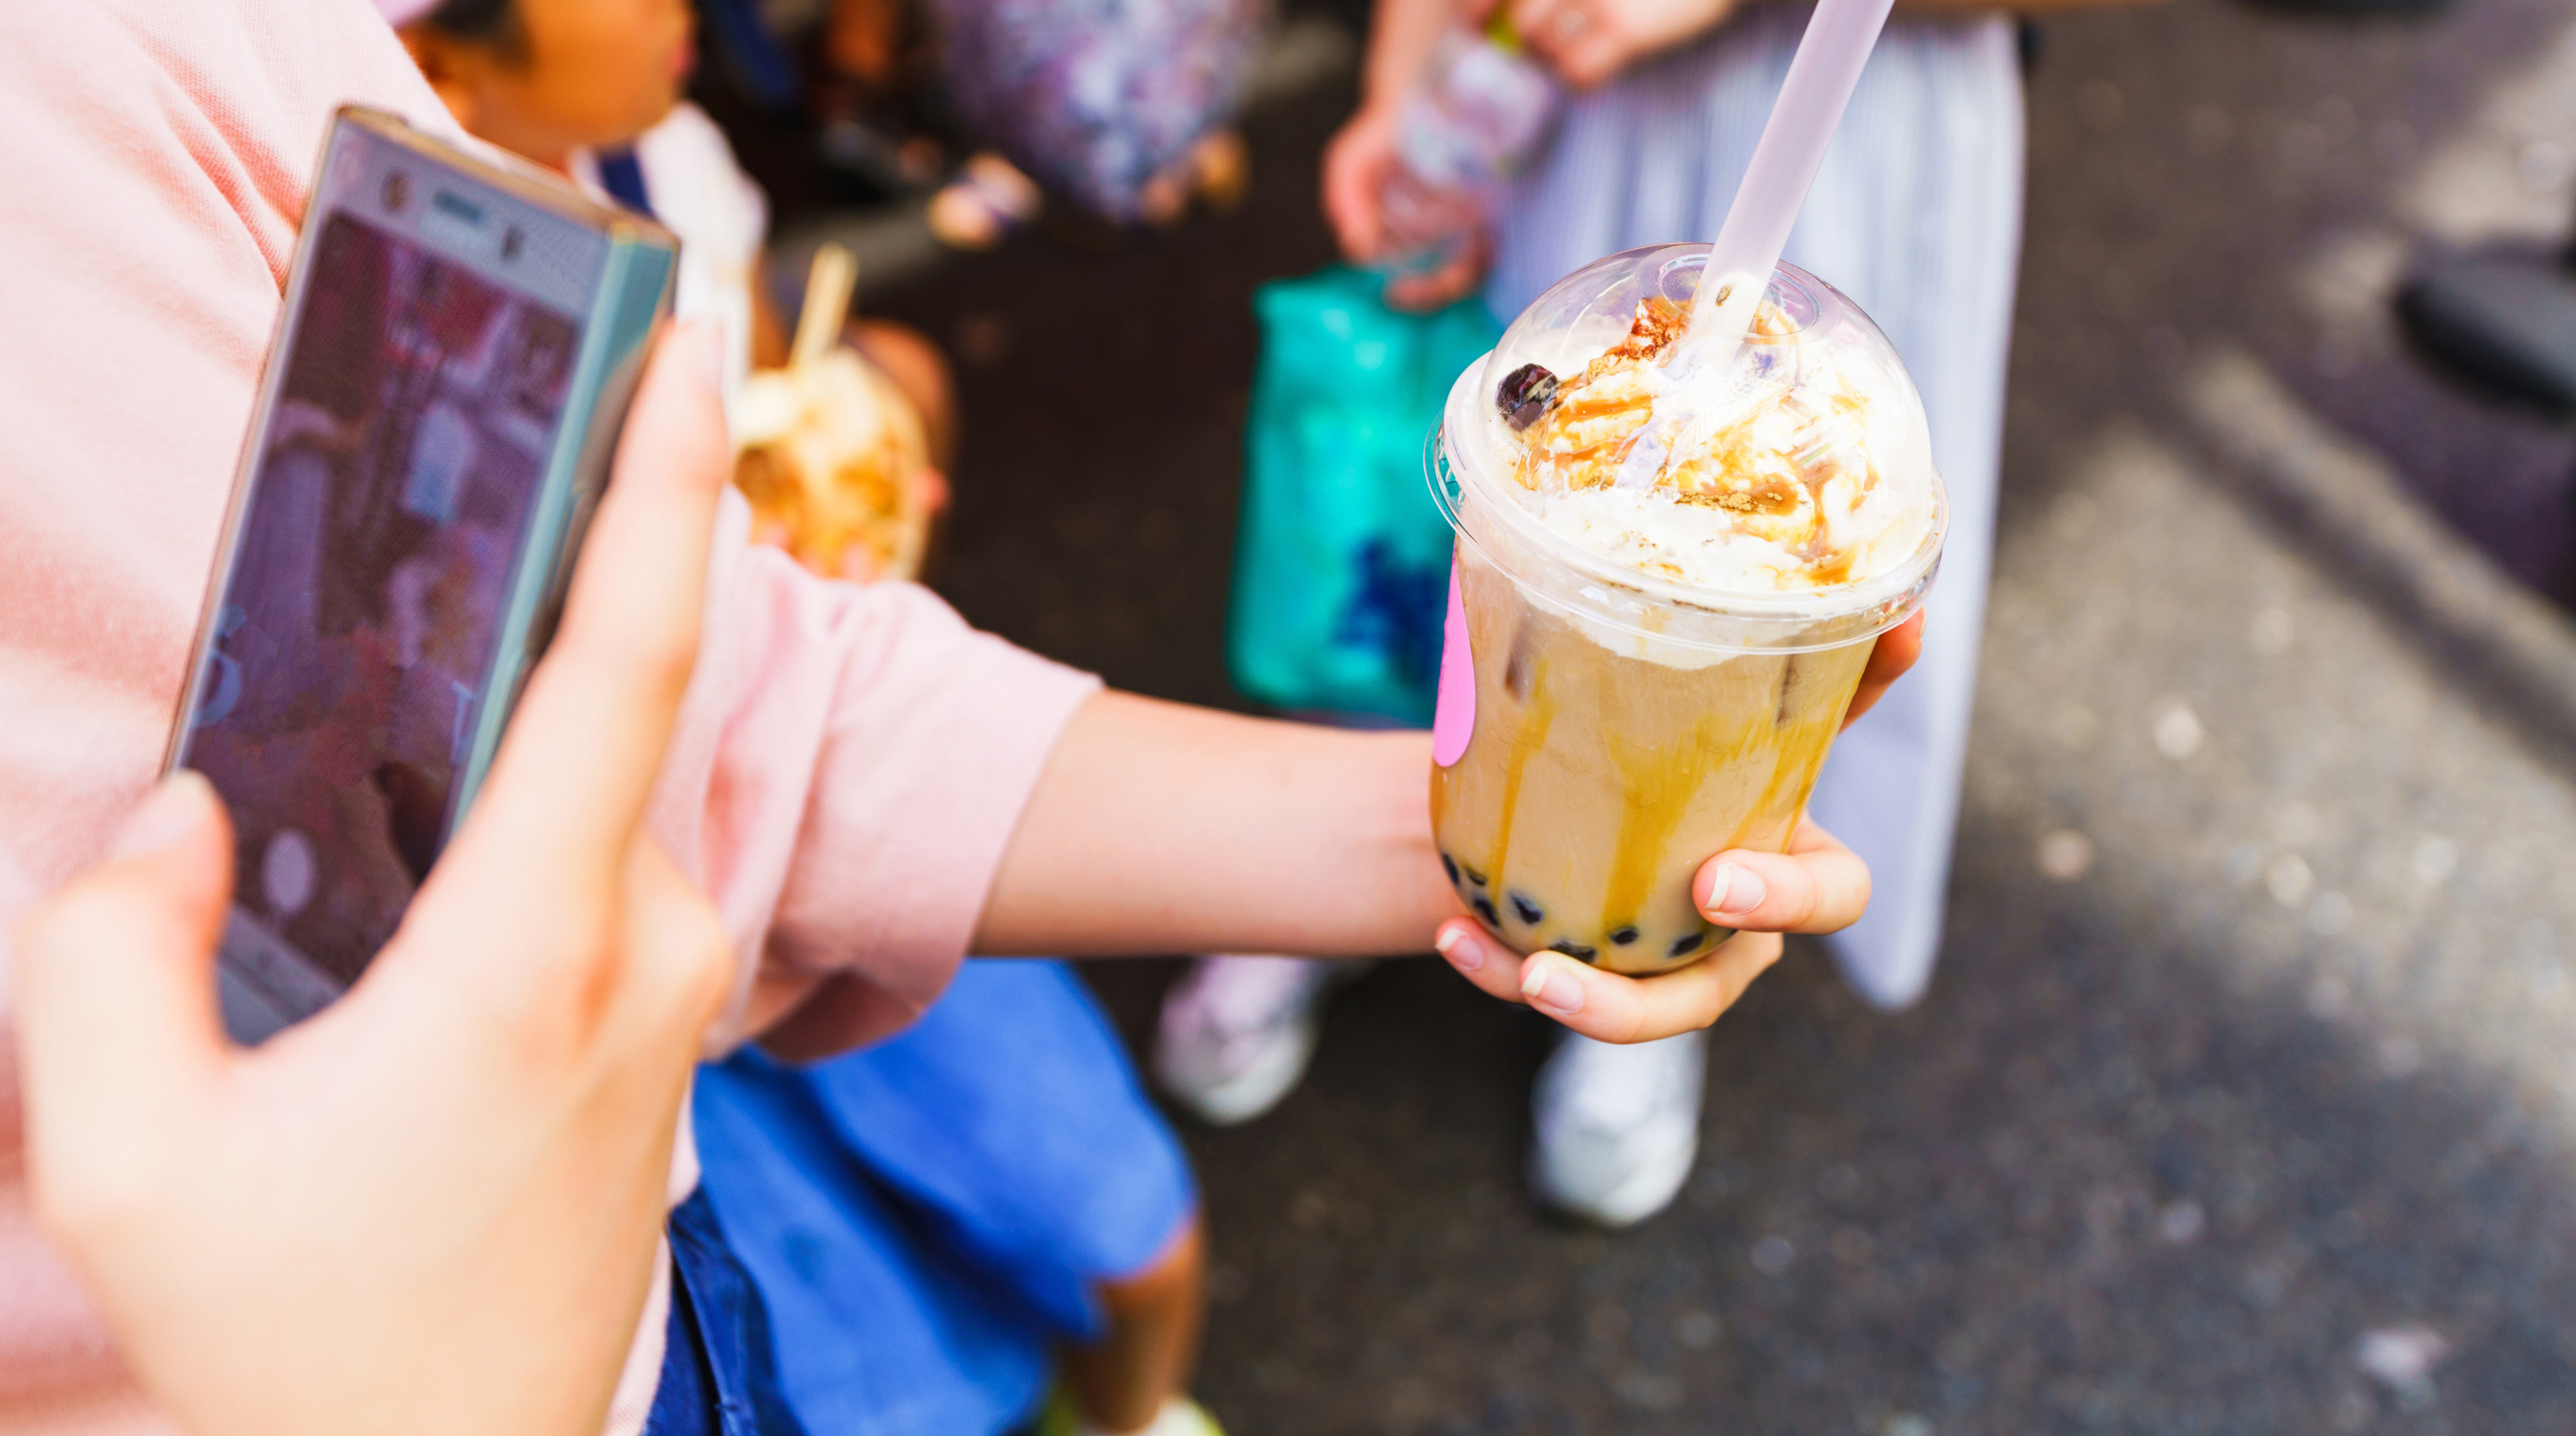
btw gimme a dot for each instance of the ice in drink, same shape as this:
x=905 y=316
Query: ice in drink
x=1670 y=568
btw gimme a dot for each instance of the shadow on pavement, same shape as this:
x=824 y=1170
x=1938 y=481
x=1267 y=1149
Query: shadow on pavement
x=2089 y=1185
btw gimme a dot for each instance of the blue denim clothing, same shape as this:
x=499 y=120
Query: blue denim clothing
x=719 y=1369
x=926 y=1219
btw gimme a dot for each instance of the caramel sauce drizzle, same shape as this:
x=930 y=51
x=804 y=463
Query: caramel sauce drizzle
x=1599 y=416
x=1529 y=734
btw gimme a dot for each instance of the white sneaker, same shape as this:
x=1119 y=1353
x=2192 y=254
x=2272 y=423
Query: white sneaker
x=1237 y=1033
x=1616 y=1128
x=1180 y=1416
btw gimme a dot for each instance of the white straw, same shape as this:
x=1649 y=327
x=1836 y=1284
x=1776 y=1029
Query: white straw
x=1821 y=77
x=828 y=286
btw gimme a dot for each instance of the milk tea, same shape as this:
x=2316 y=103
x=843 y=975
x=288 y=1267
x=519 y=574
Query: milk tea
x=1594 y=784
x=1669 y=582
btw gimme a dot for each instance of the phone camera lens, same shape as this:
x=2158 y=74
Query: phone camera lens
x=511 y=242
x=397 y=190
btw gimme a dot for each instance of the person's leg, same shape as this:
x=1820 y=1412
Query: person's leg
x=1122 y=1380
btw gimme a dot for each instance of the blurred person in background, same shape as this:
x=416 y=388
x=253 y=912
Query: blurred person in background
x=1002 y=1145
x=592 y=90
x=1116 y=112
x=1917 y=216
x=1120 y=109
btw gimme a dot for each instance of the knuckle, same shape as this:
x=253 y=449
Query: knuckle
x=575 y=970
x=1788 y=894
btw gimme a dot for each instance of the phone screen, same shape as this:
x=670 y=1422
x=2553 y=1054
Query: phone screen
x=407 y=439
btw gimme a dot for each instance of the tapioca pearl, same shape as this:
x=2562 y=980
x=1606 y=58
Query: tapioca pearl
x=1475 y=877
x=1573 y=949
x=1451 y=864
x=1688 y=943
x=1484 y=907
x=1528 y=912
x=1522 y=667
x=1623 y=935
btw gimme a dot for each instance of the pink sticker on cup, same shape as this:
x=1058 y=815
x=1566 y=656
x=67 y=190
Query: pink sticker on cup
x=1454 y=720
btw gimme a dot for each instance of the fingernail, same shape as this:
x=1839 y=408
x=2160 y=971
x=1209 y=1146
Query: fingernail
x=1454 y=945
x=1736 y=890
x=1550 y=991
x=167 y=814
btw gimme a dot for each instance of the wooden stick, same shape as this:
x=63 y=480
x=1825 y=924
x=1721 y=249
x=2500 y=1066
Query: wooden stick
x=828 y=287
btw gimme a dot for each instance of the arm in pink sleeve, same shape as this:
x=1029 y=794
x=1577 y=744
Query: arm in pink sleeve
x=850 y=764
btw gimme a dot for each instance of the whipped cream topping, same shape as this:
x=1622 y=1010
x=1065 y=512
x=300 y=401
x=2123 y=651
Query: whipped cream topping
x=1794 y=468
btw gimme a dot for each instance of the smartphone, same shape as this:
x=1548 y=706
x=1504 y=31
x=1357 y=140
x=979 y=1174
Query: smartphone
x=459 y=342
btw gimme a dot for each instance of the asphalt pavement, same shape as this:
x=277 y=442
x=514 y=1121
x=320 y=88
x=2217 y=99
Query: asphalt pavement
x=2243 y=1101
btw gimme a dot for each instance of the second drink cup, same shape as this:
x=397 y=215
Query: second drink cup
x=1670 y=569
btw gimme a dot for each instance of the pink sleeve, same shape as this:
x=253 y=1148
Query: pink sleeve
x=850 y=763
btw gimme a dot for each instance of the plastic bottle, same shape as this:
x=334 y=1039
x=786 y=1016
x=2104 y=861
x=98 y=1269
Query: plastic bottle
x=1482 y=108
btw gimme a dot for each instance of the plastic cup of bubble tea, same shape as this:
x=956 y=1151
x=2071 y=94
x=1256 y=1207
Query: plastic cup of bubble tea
x=1671 y=563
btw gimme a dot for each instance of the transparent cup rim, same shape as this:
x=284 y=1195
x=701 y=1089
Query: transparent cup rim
x=1773 y=621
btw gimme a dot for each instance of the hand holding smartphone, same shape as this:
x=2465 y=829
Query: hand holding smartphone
x=459 y=342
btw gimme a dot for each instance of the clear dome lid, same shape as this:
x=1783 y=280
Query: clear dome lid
x=1792 y=480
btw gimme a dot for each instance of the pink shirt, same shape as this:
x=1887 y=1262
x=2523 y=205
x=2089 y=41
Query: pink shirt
x=850 y=761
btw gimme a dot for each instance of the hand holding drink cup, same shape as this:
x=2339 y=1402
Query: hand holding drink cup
x=1816 y=886
x=1671 y=573
x=1692 y=486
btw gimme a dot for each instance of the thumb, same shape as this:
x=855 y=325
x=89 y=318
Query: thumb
x=117 y=1023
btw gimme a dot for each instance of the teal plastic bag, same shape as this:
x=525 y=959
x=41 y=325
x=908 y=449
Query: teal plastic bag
x=1341 y=575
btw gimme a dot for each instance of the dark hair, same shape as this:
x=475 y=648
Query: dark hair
x=487 y=22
